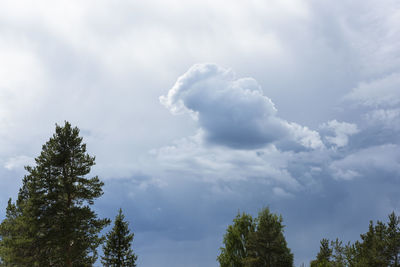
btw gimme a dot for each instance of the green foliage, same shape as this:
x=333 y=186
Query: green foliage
x=16 y=247
x=393 y=240
x=117 y=250
x=52 y=223
x=379 y=247
x=235 y=241
x=255 y=243
x=338 y=256
x=267 y=245
x=324 y=255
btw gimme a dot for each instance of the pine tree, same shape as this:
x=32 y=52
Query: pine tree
x=378 y=247
x=17 y=246
x=324 y=255
x=52 y=223
x=117 y=250
x=393 y=240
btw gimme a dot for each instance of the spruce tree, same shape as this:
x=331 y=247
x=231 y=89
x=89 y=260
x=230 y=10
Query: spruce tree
x=117 y=250
x=52 y=223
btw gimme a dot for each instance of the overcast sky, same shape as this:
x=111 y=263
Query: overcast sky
x=197 y=109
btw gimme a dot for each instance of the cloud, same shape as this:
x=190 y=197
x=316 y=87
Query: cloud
x=193 y=159
x=281 y=193
x=18 y=162
x=233 y=111
x=94 y=62
x=383 y=159
x=341 y=131
x=379 y=92
x=387 y=118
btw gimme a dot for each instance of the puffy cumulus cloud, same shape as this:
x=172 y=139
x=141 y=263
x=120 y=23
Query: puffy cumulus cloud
x=341 y=131
x=233 y=111
x=94 y=63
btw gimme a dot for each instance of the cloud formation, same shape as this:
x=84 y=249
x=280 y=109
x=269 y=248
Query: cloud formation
x=18 y=162
x=234 y=111
x=379 y=92
x=341 y=132
x=94 y=62
x=367 y=162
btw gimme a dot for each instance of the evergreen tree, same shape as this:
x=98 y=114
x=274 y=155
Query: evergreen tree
x=255 y=243
x=117 y=250
x=324 y=255
x=16 y=245
x=339 y=256
x=235 y=241
x=378 y=247
x=267 y=245
x=52 y=223
x=393 y=240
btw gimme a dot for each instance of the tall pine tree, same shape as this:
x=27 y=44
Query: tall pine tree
x=117 y=250
x=52 y=223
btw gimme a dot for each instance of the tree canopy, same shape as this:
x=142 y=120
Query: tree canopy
x=52 y=223
x=236 y=241
x=378 y=247
x=255 y=242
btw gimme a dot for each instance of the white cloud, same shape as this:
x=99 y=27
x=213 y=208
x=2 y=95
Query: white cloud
x=18 y=162
x=193 y=159
x=304 y=136
x=379 y=92
x=389 y=118
x=233 y=111
x=281 y=193
x=383 y=159
x=340 y=174
x=341 y=130
x=102 y=65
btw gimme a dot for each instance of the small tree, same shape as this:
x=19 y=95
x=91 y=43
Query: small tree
x=378 y=247
x=255 y=243
x=324 y=255
x=117 y=250
x=235 y=241
x=267 y=245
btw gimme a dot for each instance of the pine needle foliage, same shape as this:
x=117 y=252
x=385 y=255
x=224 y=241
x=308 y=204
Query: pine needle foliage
x=117 y=250
x=52 y=223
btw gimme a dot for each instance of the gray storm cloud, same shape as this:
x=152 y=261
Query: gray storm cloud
x=233 y=111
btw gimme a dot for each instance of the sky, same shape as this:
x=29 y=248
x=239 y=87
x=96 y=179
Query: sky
x=196 y=110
